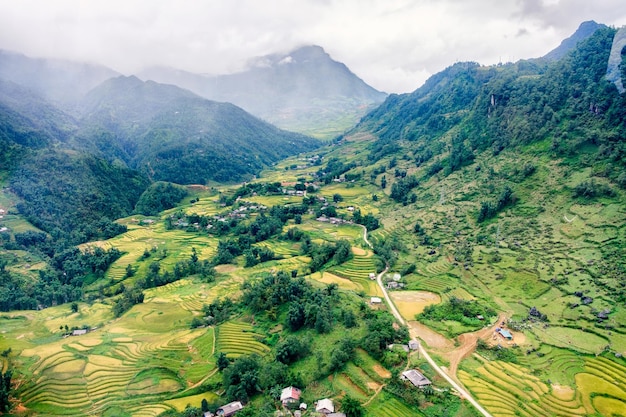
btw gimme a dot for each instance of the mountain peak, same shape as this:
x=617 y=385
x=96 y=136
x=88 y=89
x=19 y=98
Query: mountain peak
x=585 y=30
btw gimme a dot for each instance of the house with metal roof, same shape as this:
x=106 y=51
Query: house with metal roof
x=415 y=378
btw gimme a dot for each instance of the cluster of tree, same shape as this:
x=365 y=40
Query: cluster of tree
x=59 y=283
x=218 y=311
x=322 y=253
x=592 y=189
x=292 y=348
x=381 y=333
x=341 y=354
x=334 y=169
x=256 y=255
x=5 y=390
x=307 y=306
x=159 y=196
x=369 y=221
x=489 y=209
x=250 y=189
x=401 y=190
x=457 y=309
x=184 y=268
x=249 y=375
x=387 y=251
x=425 y=238
x=129 y=298
x=460 y=154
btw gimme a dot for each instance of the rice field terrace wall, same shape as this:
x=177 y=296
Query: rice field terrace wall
x=236 y=339
x=358 y=270
x=507 y=389
x=390 y=407
x=89 y=374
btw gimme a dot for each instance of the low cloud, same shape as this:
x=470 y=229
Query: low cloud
x=393 y=45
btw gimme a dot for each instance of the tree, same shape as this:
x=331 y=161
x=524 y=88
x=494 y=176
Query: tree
x=352 y=407
x=222 y=361
x=204 y=405
x=74 y=307
x=5 y=390
x=337 y=198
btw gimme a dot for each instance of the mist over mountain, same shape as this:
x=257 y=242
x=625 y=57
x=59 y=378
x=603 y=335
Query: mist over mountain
x=61 y=82
x=300 y=91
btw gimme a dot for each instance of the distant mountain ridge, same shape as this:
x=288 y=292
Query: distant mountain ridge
x=297 y=91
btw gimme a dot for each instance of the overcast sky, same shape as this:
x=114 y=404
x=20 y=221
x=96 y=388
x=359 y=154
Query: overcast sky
x=394 y=45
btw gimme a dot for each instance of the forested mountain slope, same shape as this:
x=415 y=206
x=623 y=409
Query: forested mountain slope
x=173 y=135
x=468 y=109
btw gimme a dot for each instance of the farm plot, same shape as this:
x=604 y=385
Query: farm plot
x=411 y=303
x=391 y=407
x=236 y=339
x=358 y=270
x=506 y=389
x=90 y=374
x=438 y=284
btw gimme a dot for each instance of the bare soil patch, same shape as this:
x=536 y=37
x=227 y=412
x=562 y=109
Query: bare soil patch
x=373 y=385
x=468 y=343
x=382 y=372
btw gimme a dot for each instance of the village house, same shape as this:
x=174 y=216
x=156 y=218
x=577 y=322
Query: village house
x=504 y=333
x=414 y=344
x=325 y=406
x=375 y=300
x=372 y=275
x=290 y=395
x=229 y=409
x=79 y=332
x=415 y=378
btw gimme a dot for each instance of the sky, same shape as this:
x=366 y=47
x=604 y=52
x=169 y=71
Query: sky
x=393 y=45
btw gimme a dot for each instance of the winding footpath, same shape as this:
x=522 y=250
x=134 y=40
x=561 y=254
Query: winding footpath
x=462 y=392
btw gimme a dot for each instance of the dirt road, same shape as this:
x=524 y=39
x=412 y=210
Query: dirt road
x=468 y=344
x=437 y=368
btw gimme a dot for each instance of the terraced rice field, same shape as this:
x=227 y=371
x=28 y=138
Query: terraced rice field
x=236 y=339
x=391 y=407
x=281 y=249
x=89 y=374
x=511 y=390
x=436 y=284
x=357 y=270
x=176 y=243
